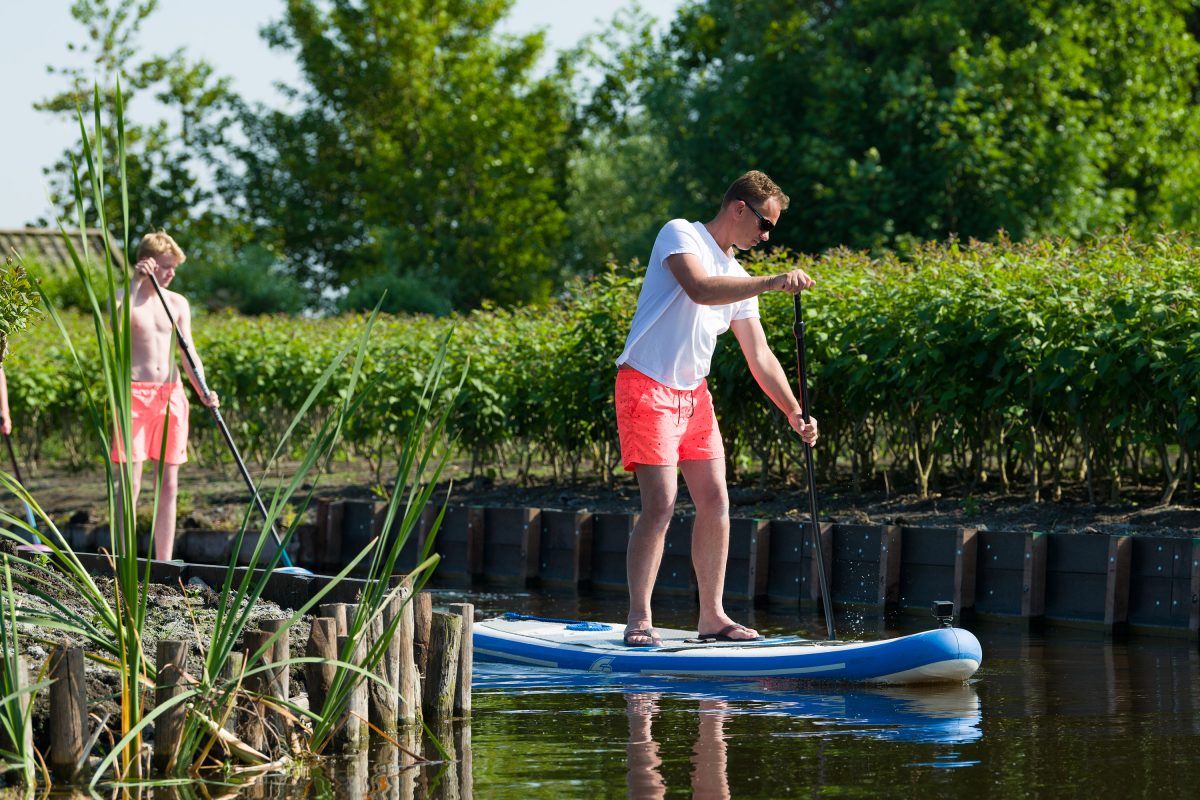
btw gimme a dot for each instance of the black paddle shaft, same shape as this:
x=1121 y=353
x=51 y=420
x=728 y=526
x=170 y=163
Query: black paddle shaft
x=186 y=346
x=818 y=549
x=12 y=457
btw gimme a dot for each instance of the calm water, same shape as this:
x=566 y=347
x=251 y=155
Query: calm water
x=1068 y=714
x=1064 y=714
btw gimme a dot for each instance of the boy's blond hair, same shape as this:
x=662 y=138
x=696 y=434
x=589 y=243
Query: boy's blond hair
x=755 y=187
x=160 y=243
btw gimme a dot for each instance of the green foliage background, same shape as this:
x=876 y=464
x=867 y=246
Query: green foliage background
x=428 y=153
x=892 y=122
x=1031 y=362
x=428 y=159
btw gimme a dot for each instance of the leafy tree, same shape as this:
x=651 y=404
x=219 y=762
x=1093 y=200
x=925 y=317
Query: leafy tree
x=18 y=303
x=411 y=292
x=890 y=121
x=622 y=171
x=421 y=144
x=228 y=272
x=162 y=157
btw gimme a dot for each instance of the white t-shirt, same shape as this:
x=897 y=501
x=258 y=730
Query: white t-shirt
x=672 y=338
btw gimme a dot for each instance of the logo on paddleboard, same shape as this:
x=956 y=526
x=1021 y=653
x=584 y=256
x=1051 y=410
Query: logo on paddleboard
x=602 y=664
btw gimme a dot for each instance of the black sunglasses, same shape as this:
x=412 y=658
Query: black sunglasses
x=765 y=225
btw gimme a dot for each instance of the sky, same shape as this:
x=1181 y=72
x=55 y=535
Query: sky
x=223 y=32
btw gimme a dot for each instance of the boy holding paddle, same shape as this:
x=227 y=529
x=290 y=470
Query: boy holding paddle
x=159 y=406
x=694 y=291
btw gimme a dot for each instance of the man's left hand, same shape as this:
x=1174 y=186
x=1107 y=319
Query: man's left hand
x=808 y=431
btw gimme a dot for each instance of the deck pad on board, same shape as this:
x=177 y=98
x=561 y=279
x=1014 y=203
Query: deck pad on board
x=611 y=639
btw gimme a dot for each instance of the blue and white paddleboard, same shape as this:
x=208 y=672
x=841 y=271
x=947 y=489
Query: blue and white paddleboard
x=934 y=656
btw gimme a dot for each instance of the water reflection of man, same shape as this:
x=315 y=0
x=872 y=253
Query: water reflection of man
x=709 y=760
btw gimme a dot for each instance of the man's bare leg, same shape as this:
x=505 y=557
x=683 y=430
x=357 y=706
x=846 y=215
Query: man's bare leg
x=657 y=486
x=164 y=520
x=710 y=542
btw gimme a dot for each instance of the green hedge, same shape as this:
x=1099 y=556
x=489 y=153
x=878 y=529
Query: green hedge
x=1025 y=364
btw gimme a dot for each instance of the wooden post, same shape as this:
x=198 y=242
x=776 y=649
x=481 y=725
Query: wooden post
x=336 y=612
x=314 y=553
x=466 y=769
x=253 y=730
x=1116 y=595
x=566 y=548
x=466 y=659
x=384 y=697
x=351 y=613
x=231 y=673
x=1033 y=578
x=889 y=566
x=966 y=547
x=1194 y=615
x=355 y=774
x=441 y=675
x=330 y=537
x=68 y=709
x=322 y=643
x=440 y=782
x=422 y=615
x=279 y=684
x=347 y=734
x=408 y=755
x=351 y=735
x=410 y=679
x=475 y=533
x=168 y=727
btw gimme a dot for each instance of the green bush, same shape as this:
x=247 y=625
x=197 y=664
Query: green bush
x=1022 y=364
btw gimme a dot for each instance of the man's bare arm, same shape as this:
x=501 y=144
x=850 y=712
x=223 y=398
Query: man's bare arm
x=769 y=374
x=717 y=290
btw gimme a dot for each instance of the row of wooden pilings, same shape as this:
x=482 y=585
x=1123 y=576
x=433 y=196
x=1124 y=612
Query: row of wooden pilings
x=426 y=667
x=1120 y=583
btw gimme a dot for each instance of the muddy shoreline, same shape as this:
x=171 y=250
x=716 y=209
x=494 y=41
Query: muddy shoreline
x=213 y=497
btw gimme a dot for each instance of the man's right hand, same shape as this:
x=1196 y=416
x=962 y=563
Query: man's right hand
x=792 y=282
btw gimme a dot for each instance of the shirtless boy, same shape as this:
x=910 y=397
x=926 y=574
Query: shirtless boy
x=157 y=388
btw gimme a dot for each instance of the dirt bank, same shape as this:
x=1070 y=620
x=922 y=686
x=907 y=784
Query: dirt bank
x=214 y=497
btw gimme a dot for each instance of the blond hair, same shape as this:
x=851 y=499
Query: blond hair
x=756 y=188
x=160 y=243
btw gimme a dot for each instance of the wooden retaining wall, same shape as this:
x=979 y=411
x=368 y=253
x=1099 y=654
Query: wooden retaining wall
x=1144 y=583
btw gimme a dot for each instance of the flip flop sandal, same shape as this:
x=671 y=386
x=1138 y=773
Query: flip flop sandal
x=723 y=635
x=646 y=633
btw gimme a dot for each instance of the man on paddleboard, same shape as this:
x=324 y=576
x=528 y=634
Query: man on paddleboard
x=694 y=291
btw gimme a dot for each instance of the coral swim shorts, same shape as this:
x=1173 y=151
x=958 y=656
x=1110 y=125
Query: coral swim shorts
x=151 y=402
x=661 y=426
